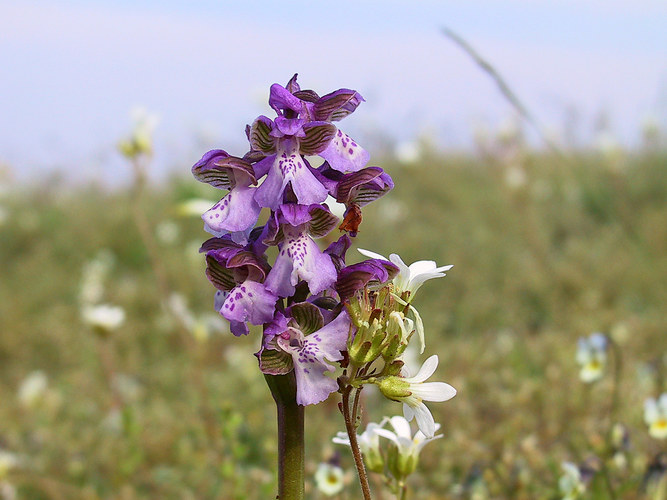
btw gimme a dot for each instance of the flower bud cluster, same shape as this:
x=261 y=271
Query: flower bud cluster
x=382 y=329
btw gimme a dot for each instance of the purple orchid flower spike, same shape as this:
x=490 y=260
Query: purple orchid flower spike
x=238 y=211
x=300 y=340
x=300 y=258
x=238 y=275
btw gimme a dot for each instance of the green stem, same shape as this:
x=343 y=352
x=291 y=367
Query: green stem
x=403 y=492
x=616 y=388
x=290 y=436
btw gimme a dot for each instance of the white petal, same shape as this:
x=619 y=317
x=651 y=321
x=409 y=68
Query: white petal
x=386 y=433
x=424 y=420
x=421 y=267
x=408 y=413
x=651 y=412
x=372 y=255
x=583 y=352
x=401 y=426
x=419 y=326
x=426 y=370
x=433 y=391
x=417 y=281
x=420 y=443
x=662 y=404
x=402 y=279
x=341 y=438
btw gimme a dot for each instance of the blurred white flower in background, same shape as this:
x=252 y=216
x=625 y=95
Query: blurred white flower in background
x=655 y=416
x=140 y=141
x=570 y=483
x=403 y=459
x=167 y=232
x=201 y=327
x=32 y=389
x=329 y=479
x=369 y=444
x=515 y=177
x=592 y=356
x=103 y=318
x=8 y=462
x=95 y=273
x=194 y=207
x=128 y=387
x=408 y=152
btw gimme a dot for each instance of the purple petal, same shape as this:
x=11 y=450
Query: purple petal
x=279 y=280
x=338 y=249
x=238 y=328
x=294 y=214
x=345 y=155
x=363 y=186
x=235 y=212
x=292 y=85
x=316 y=138
x=358 y=276
x=277 y=326
x=249 y=301
x=289 y=126
x=260 y=136
x=288 y=166
x=281 y=99
x=270 y=192
x=337 y=105
x=300 y=258
x=322 y=221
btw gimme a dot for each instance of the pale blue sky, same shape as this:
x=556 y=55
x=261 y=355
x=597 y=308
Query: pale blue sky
x=70 y=71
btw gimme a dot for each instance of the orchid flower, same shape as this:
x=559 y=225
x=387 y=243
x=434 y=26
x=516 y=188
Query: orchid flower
x=300 y=258
x=310 y=355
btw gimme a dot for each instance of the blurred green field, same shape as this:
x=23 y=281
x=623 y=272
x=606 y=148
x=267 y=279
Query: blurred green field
x=546 y=249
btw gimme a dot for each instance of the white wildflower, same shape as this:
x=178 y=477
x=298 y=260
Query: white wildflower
x=32 y=389
x=413 y=391
x=655 y=416
x=570 y=483
x=592 y=356
x=408 y=447
x=369 y=444
x=103 y=318
x=329 y=479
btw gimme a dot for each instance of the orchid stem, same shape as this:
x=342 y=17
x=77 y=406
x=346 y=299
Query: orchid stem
x=290 y=436
x=350 y=427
